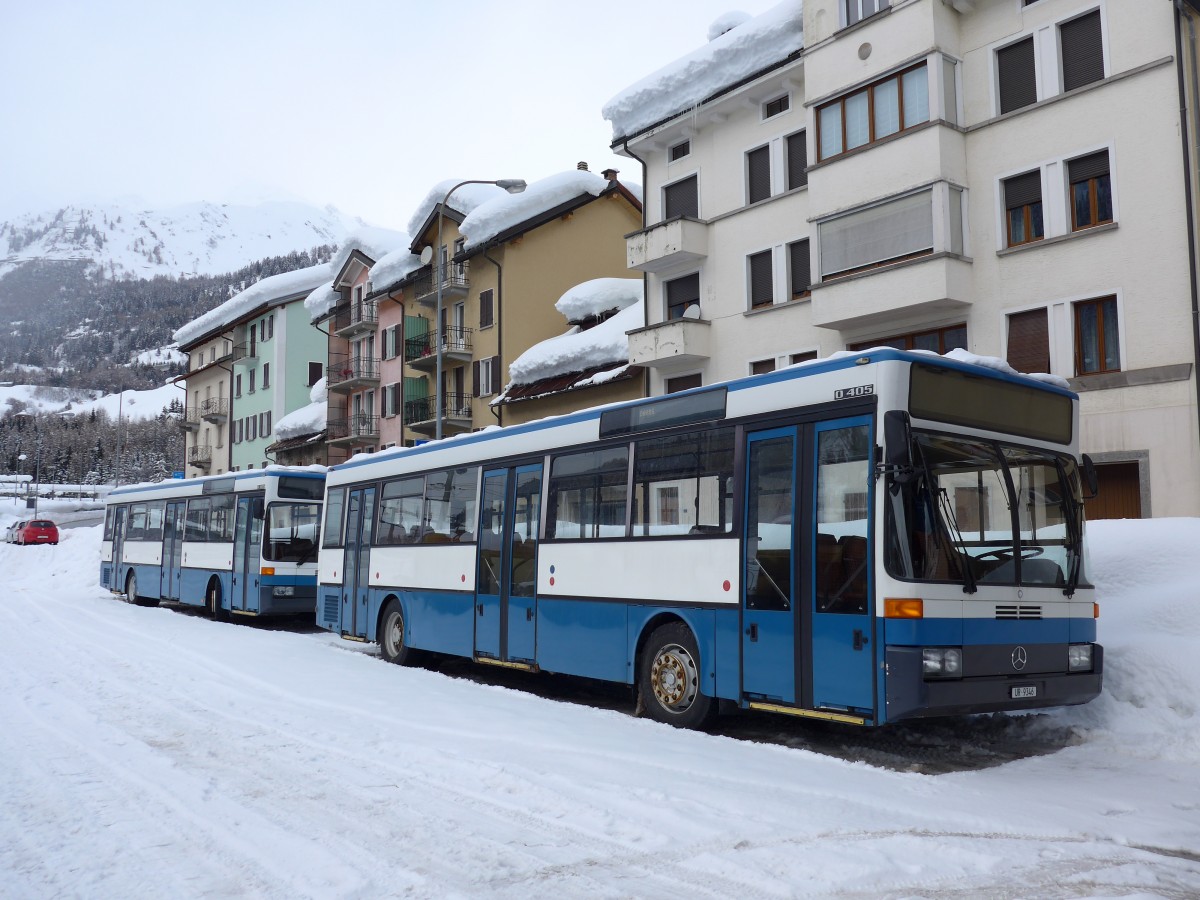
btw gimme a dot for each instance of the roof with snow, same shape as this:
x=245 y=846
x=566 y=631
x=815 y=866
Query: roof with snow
x=463 y=201
x=308 y=419
x=393 y=268
x=373 y=243
x=747 y=50
x=276 y=288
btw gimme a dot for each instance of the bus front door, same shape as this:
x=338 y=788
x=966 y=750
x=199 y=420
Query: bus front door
x=843 y=636
x=506 y=599
x=247 y=550
x=769 y=595
x=356 y=563
x=118 y=547
x=172 y=550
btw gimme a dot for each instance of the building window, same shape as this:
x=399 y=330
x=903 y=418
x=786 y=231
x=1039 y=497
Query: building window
x=485 y=374
x=872 y=113
x=1097 y=344
x=253 y=372
x=1029 y=341
x=316 y=372
x=266 y=381
x=682 y=199
x=1017 y=75
x=796 y=148
x=270 y=326
x=1082 y=46
x=888 y=232
x=237 y=385
x=682 y=293
x=682 y=383
x=252 y=428
x=758 y=174
x=802 y=357
x=1023 y=208
x=486 y=311
x=857 y=10
x=1091 y=191
x=775 y=107
x=762 y=279
x=762 y=366
x=936 y=340
x=679 y=151
x=253 y=342
x=799 y=279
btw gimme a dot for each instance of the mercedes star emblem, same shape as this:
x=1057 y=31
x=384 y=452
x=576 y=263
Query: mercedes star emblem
x=1019 y=658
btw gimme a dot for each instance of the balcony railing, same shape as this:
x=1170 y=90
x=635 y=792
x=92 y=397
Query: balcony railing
x=200 y=455
x=356 y=318
x=347 y=373
x=454 y=406
x=189 y=419
x=214 y=409
x=423 y=348
x=455 y=283
x=361 y=427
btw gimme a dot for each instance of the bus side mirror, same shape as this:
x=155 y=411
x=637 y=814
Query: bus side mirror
x=257 y=507
x=1090 y=478
x=897 y=438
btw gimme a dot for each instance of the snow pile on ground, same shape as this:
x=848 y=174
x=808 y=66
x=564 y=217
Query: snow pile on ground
x=307 y=419
x=599 y=295
x=507 y=210
x=465 y=199
x=736 y=54
x=244 y=302
x=577 y=351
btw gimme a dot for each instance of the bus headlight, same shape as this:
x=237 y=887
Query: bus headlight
x=284 y=590
x=941 y=662
x=1079 y=658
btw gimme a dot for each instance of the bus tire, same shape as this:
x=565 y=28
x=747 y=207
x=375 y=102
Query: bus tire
x=392 y=633
x=669 y=679
x=212 y=601
x=131 y=594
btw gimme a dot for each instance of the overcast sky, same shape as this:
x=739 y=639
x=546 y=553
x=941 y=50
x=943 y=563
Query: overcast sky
x=362 y=104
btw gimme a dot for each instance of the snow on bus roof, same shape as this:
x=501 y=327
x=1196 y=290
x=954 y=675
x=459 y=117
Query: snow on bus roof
x=273 y=469
x=730 y=57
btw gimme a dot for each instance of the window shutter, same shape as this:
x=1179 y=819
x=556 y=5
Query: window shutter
x=1018 y=83
x=475 y=378
x=758 y=174
x=1029 y=341
x=486 y=313
x=1091 y=166
x=1082 y=51
x=496 y=386
x=681 y=293
x=797 y=160
x=682 y=199
x=1022 y=190
x=798 y=261
x=761 y=293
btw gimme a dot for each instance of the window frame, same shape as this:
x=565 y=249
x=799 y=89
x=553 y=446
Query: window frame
x=1093 y=193
x=869 y=89
x=909 y=336
x=753 y=158
x=793 y=294
x=678 y=183
x=1026 y=211
x=673 y=157
x=1099 y=304
x=751 y=260
x=785 y=98
x=668 y=305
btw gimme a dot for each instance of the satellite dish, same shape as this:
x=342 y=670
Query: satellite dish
x=426 y=255
x=692 y=312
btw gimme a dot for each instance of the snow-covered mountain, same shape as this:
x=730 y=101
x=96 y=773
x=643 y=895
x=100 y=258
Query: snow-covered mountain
x=129 y=241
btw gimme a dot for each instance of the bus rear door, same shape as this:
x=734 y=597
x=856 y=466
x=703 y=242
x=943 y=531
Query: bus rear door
x=506 y=598
x=356 y=563
x=172 y=550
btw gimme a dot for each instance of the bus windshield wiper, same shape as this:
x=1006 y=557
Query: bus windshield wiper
x=1071 y=511
x=943 y=513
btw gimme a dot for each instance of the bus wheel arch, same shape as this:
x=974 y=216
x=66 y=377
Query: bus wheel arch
x=212 y=599
x=131 y=591
x=669 y=675
x=392 y=631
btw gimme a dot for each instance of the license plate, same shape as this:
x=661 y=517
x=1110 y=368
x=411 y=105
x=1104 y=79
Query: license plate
x=1024 y=693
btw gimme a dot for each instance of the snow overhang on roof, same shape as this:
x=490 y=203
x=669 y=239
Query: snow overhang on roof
x=462 y=202
x=746 y=51
x=262 y=293
x=506 y=213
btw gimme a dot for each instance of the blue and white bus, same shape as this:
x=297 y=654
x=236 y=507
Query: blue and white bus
x=242 y=543
x=863 y=539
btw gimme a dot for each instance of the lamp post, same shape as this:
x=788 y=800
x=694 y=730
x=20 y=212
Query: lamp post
x=20 y=459
x=513 y=186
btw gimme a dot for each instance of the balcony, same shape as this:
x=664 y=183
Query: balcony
x=921 y=288
x=419 y=413
x=215 y=410
x=454 y=285
x=355 y=319
x=189 y=420
x=355 y=429
x=245 y=353
x=421 y=352
x=676 y=344
x=200 y=456
x=674 y=244
x=348 y=373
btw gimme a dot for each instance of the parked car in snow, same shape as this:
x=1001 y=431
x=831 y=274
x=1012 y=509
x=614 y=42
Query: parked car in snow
x=37 y=531
x=10 y=536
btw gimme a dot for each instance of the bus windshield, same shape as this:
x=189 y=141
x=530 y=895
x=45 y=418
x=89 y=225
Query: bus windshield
x=980 y=512
x=292 y=532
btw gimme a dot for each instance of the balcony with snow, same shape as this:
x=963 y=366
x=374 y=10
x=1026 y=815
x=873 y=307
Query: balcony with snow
x=676 y=243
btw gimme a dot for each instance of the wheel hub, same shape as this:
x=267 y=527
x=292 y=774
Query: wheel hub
x=673 y=677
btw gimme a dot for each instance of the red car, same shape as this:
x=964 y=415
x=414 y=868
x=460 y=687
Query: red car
x=38 y=531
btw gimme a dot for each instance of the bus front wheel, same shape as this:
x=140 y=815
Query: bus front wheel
x=669 y=679
x=131 y=594
x=393 y=636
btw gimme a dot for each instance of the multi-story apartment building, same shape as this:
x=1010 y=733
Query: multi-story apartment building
x=252 y=360
x=1004 y=177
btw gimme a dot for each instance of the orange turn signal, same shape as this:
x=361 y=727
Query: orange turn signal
x=1095 y=610
x=904 y=609
x=268 y=570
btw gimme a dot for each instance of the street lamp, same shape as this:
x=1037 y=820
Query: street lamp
x=513 y=186
x=20 y=459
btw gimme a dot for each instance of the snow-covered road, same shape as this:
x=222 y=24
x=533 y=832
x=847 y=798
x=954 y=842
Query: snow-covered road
x=151 y=754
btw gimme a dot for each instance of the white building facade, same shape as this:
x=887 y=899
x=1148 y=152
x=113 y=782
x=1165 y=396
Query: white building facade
x=1009 y=177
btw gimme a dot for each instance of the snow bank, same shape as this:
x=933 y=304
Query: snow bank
x=599 y=296
x=465 y=200
x=734 y=55
x=308 y=419
x=506 y=210
x=243 y=303
x=578 y=350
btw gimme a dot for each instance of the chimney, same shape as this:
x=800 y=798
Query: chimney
x=581 y=166
x=610 y=174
